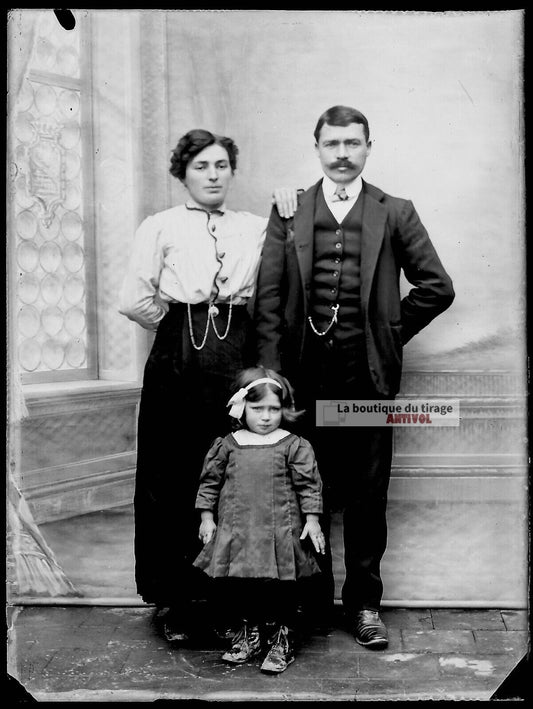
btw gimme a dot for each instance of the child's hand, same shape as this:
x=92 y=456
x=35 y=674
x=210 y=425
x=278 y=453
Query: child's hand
x=313 y=530
x=207 y=530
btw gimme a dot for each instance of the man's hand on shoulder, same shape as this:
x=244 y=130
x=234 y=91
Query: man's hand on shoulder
x=286 y=201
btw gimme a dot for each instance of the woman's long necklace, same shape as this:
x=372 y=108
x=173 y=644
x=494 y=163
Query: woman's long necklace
x=212 y=312
x=330 y=325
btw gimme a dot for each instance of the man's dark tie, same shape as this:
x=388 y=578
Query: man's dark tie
x=340 y=194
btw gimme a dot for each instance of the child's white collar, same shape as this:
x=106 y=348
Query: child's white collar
x=244 y=437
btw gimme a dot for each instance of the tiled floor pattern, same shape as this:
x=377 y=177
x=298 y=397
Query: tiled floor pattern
x=117 y=654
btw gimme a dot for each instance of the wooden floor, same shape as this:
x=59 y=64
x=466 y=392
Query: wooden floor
x=92 y=653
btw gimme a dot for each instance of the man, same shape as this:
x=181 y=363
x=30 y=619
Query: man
x=329 y=316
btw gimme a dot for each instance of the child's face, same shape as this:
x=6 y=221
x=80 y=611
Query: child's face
x=263 y=416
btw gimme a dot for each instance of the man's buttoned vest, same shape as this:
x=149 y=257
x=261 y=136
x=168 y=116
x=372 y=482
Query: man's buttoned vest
x=337 y=271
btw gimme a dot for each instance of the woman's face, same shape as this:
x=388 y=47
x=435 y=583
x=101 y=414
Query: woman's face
x=208 y=177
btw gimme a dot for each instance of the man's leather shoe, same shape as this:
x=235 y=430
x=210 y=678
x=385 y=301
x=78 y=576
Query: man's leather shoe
x=370 y=631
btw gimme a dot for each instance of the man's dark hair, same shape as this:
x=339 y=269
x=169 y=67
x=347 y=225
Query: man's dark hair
x=193 y=143
x=342 y=116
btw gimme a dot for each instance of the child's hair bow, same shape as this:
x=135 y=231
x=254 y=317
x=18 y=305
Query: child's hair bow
x=237 y=401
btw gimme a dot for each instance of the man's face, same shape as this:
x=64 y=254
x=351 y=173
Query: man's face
x=208 y=176
x=342 y=151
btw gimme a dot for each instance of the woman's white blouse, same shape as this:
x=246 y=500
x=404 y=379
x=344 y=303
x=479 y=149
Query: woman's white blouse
x=187 y=255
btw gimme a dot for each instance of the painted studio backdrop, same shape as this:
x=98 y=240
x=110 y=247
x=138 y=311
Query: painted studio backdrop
x=93 y=115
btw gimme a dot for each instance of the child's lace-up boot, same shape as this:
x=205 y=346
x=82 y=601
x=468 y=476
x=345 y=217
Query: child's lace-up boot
x=281 y=652
x=245 y=645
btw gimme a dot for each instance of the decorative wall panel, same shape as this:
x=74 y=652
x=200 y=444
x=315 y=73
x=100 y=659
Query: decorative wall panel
x=461 y=382
x=57 y=440
x=488 y=430
x=79 y=451
x=47 y=210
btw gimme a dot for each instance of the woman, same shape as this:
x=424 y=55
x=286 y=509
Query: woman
x=191 y=275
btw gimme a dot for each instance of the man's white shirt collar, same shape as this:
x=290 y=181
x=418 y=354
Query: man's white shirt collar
x=353 y=188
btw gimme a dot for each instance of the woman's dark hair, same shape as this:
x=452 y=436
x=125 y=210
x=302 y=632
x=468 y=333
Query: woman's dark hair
x=193 y=143
x=342 y=116
x=256 y=393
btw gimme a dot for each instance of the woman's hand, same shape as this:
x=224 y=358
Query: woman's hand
x=286 y=201
x=313 y=530
x=207 y=530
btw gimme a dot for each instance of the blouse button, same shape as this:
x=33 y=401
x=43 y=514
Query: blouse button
x=338 y=232
x=338 y=245
x=335 y=274
x=222 y=254
x=223 y=279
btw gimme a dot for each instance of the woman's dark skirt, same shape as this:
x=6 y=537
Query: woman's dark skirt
x=182 y=410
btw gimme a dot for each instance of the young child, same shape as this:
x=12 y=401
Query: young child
x=257 y=487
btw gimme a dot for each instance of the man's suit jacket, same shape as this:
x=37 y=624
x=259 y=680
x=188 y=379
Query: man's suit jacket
x=393 y=238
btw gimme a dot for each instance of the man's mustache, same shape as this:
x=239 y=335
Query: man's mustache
x=341 y=163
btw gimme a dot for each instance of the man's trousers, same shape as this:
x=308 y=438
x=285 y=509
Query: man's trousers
x=355 y=464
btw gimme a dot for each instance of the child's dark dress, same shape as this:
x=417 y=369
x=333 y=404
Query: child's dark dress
x=260 y=493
